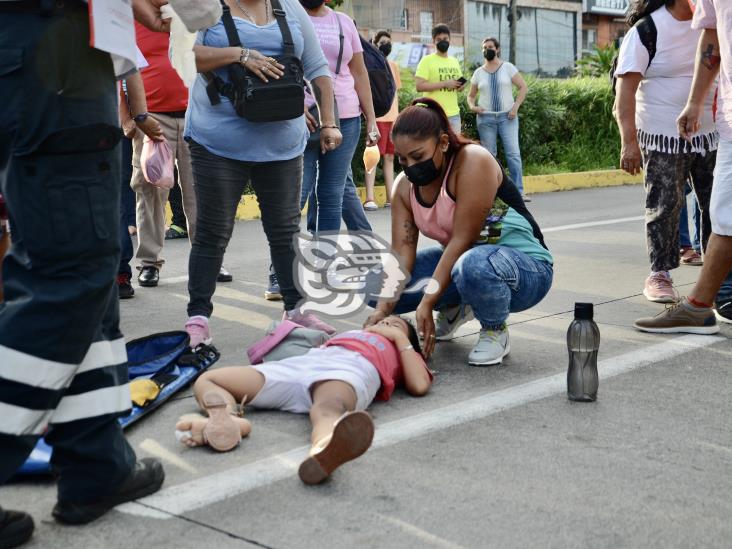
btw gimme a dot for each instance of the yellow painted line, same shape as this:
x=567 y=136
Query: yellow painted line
x=533 y=184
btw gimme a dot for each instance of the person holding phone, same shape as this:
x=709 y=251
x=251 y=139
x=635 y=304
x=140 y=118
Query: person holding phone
x=440 y=77
x=497 y=110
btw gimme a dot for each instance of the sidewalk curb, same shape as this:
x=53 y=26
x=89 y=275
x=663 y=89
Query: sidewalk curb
x=533 y=184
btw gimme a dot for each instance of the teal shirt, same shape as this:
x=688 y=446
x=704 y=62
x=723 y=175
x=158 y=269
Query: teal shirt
x=516 y=233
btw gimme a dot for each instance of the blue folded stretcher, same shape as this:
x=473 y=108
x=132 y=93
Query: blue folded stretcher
x=165 y=357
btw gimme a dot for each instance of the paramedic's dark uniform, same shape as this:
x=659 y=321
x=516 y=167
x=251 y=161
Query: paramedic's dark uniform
x=62 y=357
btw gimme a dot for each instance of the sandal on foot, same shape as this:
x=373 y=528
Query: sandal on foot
x=221 y=432
x=352 y=436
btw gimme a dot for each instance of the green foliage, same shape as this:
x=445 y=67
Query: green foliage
x=598 y=63
x=566 y=125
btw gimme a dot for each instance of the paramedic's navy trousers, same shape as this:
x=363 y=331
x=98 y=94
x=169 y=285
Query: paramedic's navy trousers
x=63 y=371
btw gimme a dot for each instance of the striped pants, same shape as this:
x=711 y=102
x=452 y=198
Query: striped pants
x=63 y=370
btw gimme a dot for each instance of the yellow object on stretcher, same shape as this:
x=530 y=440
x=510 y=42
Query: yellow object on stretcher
x=143 y=391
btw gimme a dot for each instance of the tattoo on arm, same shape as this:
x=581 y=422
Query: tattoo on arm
x=709 y=58
x=410 y=233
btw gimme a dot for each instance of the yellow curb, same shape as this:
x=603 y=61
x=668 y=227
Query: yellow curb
x=533 y=184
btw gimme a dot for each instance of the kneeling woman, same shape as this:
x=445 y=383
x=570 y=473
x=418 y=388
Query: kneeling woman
x=492 y=260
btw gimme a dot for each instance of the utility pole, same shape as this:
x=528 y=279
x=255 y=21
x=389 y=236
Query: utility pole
x=512 y=23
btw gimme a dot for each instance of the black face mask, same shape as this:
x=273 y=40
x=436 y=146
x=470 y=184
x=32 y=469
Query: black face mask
x=490 y=55
x=385 y=49
x=312 y=4
x=422 y=173
x=443 y=45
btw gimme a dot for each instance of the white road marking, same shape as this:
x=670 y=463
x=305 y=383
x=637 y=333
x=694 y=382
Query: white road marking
x=420 y=534
x=204 y=491
x=592 y=224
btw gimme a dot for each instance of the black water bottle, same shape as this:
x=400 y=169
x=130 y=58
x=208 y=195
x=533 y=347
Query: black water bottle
x=583 y=342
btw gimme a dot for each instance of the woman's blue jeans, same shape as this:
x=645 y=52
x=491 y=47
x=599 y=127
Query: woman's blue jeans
x=493 y=280
x=326 y=174
x=685 y=234
x=490 y=127
x=353 y=215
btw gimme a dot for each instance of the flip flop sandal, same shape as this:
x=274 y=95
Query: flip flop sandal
x=221 y=432
x=352 y=436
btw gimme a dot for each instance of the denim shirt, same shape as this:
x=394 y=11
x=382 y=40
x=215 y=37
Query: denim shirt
x=219 y=129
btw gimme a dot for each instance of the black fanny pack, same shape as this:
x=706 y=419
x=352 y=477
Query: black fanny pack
x=252 y=98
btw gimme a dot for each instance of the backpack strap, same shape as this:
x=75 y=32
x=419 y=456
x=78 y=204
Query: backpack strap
x=648 y=34
x=280 y=16
x=341 y=38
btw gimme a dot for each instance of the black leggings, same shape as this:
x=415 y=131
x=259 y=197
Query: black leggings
x=219 y=184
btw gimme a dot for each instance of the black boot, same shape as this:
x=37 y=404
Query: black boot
x=145 y=479
x=224 y=275
x=16 y=528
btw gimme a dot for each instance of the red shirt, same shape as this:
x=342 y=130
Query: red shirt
x=164 y=90
x=380 y=352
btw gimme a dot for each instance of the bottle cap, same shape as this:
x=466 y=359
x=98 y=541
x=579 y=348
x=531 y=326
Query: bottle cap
x=583 y=311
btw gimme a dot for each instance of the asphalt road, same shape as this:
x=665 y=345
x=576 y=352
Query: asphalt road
x=492 y=457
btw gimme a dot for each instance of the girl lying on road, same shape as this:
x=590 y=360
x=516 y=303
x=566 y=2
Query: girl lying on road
x=335 y=383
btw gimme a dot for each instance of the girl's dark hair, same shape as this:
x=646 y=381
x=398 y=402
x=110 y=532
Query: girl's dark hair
x=425 y=118
x=640 y=8
x=413 y=337
x=493 y=39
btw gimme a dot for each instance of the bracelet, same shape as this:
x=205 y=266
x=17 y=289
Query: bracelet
x=407 y=348
x=244 y=57
x=333 y=127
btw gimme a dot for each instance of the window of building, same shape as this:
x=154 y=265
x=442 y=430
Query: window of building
x=426 y=22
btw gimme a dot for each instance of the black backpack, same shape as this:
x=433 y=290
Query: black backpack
x=383 y=87
x=648 y=35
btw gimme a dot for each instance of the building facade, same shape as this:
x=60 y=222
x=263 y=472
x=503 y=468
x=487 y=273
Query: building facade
x=549 y=32
x=603 y=22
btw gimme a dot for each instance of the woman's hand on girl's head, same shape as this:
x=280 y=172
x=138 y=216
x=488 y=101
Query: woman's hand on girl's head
x=330 y=139
x=426 y=328
x=374 y=318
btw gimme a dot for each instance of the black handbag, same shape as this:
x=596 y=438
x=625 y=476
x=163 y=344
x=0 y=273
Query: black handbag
x=256 y=100
x=314 y=138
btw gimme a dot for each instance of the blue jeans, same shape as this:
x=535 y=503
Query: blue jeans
x=725 y=290
x=493 y=280
x=353 y=215
x=325 y=174
x=685 y=240
x=490 y=127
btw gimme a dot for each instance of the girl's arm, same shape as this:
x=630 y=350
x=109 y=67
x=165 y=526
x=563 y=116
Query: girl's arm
x=363 y=90
x=404 y=237
x=417 y=380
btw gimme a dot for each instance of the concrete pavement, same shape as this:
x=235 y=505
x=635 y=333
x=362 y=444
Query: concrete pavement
x=484 y=460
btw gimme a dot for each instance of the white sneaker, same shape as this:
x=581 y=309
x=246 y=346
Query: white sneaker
x=492 y=346
x=450 y=318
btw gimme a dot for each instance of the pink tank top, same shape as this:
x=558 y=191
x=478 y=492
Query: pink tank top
x=436 y=221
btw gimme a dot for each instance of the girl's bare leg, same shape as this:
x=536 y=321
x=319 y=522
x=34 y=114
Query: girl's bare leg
x=331 y=399
x=388 y=174
x=339 y=433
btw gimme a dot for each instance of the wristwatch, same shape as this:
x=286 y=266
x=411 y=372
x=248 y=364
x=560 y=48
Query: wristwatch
x=140 y=118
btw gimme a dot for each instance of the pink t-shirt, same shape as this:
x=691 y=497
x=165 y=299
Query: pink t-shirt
x=328 y=32
x=380 y=352
x=717 y=14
